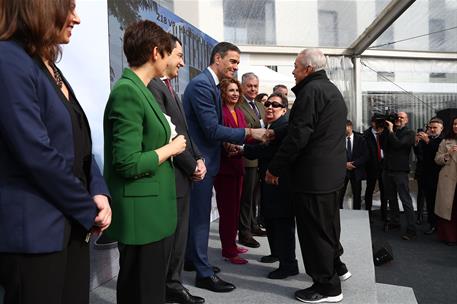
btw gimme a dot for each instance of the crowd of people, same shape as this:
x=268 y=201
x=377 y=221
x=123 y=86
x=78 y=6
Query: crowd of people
x=163 y=157
x=382 y=154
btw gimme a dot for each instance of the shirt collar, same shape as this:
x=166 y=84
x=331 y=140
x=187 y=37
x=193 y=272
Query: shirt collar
x=216 y=80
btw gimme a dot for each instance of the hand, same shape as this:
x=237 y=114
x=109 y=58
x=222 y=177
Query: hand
x=452 y=149
x=350 y=166
x=390 y=126
x=423 y=136
x=271 y=179
x=260 y=134
x=103 y=218
x=178 y=144
x=270 y=135
x=200 y=171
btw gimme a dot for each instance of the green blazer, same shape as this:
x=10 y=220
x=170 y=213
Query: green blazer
x=143 y=192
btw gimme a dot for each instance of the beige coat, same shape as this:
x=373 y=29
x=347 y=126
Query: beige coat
x=447 y=179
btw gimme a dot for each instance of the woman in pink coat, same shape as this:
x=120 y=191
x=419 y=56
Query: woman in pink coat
x=229 y=181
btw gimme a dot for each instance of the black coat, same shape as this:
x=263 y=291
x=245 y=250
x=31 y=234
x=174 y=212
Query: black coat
x=186 y=162
x=314 y=147
x=275 y=200
x=426 y=154
x=373 y=165
x=397 y=149
x=359 y=157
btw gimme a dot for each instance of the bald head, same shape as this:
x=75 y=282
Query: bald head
x=402 y=120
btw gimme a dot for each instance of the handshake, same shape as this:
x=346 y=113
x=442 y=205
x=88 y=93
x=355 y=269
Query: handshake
x=261 y=135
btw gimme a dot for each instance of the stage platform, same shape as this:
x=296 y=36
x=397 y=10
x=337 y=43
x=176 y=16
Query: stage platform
x=252 y=285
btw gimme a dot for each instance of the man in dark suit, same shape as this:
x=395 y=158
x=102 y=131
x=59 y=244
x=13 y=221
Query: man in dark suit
x=203 y=108
x=426 y=148
x=356 y=155
x=396 y=168
x=254 y=114
x=374 y=138
x=314 y=152
x=189 y=166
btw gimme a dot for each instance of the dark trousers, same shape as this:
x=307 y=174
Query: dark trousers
x=356 y=187
x=143 y=272
x=49 y=278
x=281 y=238
x=372 y=178
x=420 y=196
x=228 y=194
x=199 y=221
x=248 y=204
x=430 y=196
x=398 y=182
x=318 y=227
x=179 y=242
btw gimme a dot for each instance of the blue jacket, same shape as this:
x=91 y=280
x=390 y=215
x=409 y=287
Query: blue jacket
x=38 y=190
x=203 y=106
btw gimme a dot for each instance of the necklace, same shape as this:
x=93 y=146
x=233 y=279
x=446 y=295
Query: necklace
x=57 y=76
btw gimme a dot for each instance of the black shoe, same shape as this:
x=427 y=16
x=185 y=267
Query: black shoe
x=309 y=295
x=104 y=242
x=430 y=231
x=214 y=283
x=391 y=226
x=249 y=242
x=258 y=232
x=409 y=235
x=188 y=266
x=282 y=273
x=269 y=259
x=182 y=296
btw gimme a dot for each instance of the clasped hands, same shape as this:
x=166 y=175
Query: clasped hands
x=261 y=134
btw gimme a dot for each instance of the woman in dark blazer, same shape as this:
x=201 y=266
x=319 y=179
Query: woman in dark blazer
x=51 y=191
x=276 y=206
x=139 y=168
x=229 y=181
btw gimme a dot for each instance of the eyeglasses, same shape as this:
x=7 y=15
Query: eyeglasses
x=274 y=104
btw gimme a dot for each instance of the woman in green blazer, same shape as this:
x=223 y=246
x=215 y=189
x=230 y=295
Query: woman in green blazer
x=139 y=168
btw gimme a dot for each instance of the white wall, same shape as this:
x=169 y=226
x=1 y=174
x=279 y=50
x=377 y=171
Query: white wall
x=85 y=64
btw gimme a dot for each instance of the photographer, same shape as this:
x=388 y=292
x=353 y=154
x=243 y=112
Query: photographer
x=396 y=168
x=426 y=148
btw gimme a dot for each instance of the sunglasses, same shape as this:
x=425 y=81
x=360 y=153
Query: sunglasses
x=274 y=104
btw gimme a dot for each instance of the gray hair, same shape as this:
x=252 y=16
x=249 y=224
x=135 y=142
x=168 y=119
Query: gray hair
x=314 y=58
x=247 y=76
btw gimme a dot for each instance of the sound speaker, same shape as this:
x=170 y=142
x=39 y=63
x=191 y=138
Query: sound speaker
x=382 y=253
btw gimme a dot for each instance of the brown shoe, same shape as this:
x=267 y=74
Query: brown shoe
x=258 y=232
x=248 y=242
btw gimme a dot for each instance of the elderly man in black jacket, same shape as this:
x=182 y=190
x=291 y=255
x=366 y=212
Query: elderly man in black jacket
x=314 y=150
x=396 y=168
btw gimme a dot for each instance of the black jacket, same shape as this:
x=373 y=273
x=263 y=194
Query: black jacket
x=314 y=147
x=373 y=165
x=397 y=149
x=426 y=154
x=186 y=162
x=359 y=157
x=275 y=200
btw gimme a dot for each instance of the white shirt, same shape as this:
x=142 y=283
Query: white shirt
x=374 y=134
x=216 y=80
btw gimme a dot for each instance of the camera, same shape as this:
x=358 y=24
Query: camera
x=380 y=119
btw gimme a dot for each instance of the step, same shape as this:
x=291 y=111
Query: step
x=393 y=294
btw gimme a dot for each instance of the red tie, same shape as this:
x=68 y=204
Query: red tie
x=170 y=88
x=379 y=147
